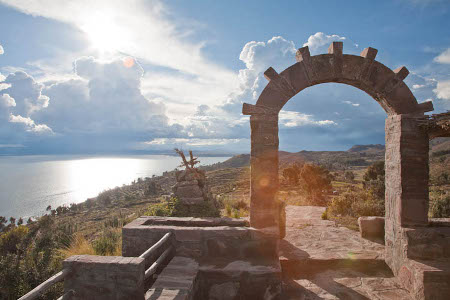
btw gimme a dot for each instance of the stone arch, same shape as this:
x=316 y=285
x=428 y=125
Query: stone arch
x=406 y=141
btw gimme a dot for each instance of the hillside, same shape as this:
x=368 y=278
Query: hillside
x=356 y=156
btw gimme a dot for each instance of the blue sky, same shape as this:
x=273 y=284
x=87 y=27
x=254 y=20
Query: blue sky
x=111 y=76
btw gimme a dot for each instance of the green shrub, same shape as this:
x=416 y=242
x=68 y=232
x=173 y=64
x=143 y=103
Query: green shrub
x=109 y=243
x=439 y=206
x=356 y=203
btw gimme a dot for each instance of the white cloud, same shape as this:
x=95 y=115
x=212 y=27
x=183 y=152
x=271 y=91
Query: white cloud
x=418 y=86
x=29 y=124
x=278 y=53
x=444 y=57
x=195 y=142
x=321 y=39
x=351 y=103
x=296 y=119
x=143 y=29
x=2 y=51
x=105 y=99
x=442 y=90
x=8 y=101
x=11 y=146
x=4 y=86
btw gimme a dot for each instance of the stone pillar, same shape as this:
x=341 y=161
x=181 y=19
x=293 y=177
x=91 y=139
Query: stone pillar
x=407 y=175
x=105 y=277
x=264 y=208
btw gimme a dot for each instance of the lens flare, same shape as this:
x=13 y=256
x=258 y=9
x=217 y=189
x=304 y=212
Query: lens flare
x=264 y=182
x=128 y=62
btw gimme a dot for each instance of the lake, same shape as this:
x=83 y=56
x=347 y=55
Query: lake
x=28 y=184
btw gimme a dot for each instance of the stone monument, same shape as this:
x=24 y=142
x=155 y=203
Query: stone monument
x=191 y=187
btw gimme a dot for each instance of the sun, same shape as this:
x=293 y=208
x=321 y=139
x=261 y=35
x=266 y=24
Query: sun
x=104 y=33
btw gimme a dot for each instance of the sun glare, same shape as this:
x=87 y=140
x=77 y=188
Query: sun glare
x=104 y=33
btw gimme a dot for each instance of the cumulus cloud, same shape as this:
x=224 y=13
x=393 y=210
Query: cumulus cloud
x=277 y=52
x=194 y=142
x=106 y=99
x=29 y=124
x=444 y=57
x=7 y=100
x=2 y=51
x=296 y=119
x=26 y=92
x=144 y=29
x=4 y=86
x=113 y=104
x=442 y=90
x=321 y=39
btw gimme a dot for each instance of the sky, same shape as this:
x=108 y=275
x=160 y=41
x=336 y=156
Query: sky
x=139 y=76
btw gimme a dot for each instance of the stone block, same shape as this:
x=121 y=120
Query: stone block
x=371 y=227
x=105 y=277
x=187 y=183
x=192 y=191
x=192 y=201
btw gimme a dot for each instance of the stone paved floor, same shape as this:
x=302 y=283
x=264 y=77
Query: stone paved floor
x=322 y=261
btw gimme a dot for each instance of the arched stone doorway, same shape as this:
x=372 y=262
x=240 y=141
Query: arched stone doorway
x=406 y=140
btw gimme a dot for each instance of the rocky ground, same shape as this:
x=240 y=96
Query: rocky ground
x=323 y=261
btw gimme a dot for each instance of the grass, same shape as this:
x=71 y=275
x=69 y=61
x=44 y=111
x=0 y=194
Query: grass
x=78 y=246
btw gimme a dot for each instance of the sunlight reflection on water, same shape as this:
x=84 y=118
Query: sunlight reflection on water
x=28 y=184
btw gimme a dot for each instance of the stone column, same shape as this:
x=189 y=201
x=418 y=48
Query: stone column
x=407 y=175
x=264 y=208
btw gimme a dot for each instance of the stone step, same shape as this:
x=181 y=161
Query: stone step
x=313 y=279
x=178 y=280
x=308 y=268
x=245 y=279
x=428 y=243
x=426 y=279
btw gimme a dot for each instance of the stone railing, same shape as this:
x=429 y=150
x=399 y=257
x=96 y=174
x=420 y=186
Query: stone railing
x=106 y=274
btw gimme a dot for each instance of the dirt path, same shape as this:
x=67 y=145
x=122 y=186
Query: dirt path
x=323 y=261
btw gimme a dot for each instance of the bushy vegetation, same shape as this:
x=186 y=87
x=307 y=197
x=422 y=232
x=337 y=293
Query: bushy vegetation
x=439 y=203
x=30 y=254
x=357 y=201
x=234 y=207
x=312 y=180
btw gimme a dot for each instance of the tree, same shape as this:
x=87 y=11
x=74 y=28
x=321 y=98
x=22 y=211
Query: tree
x=292 y=174
x=349 y=176
x=375 y=171
x=12 y=221
x=20 y=221
x=49 y=208
x=315 y=181
x=3 y=221
x=374 y=180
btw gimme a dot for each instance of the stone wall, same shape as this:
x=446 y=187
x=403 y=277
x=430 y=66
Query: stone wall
x=105 y=277
x=212 y=239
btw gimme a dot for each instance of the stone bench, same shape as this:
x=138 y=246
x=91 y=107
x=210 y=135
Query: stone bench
x=371 y=227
